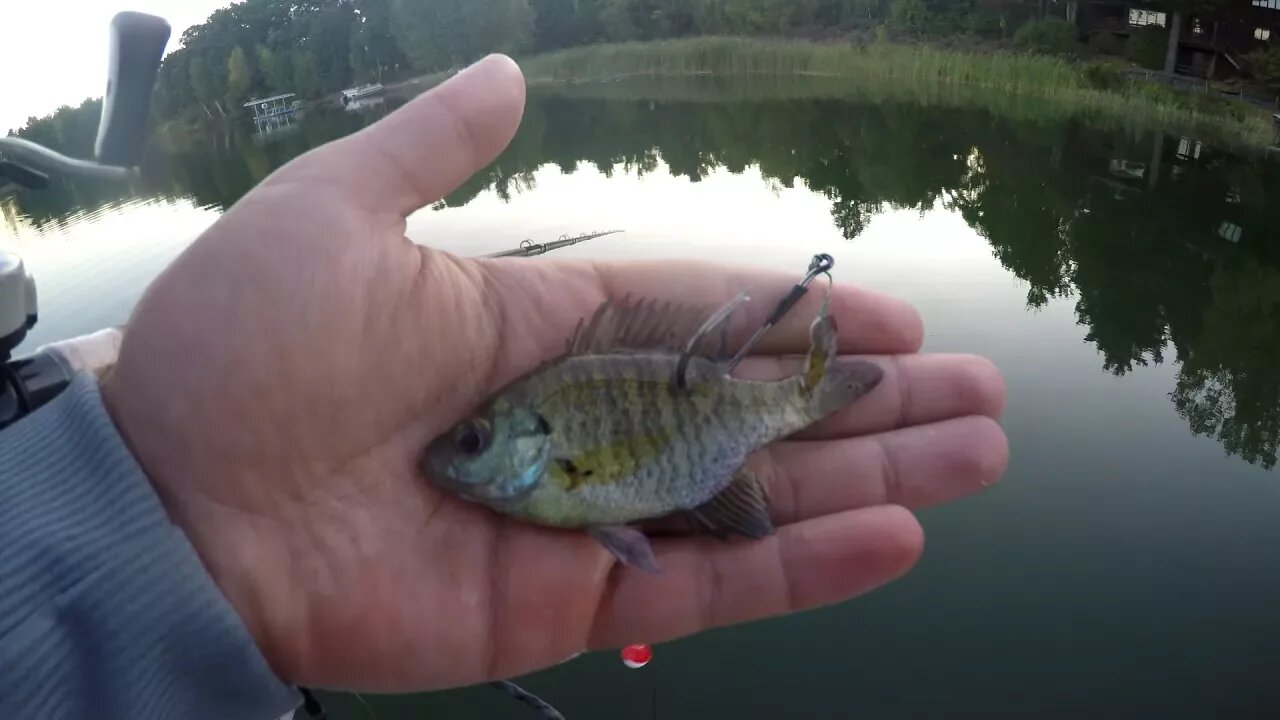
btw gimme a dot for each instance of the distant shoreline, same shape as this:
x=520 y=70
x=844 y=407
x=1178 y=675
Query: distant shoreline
x=1006 y=82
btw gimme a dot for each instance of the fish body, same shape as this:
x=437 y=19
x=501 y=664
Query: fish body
x=640 y=420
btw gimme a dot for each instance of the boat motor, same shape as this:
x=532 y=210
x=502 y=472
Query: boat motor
x=137 y=43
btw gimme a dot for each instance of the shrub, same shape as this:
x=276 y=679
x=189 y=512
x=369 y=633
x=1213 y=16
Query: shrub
x=1051 y=36
x=985 y=23
x=1105 y=42
x=1147 y=47
x=1103 y=75
x=1265 y=67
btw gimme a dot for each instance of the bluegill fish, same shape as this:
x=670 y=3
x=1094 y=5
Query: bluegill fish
x=640 y=419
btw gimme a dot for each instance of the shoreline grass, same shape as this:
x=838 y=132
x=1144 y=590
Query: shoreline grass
x=1002 y=81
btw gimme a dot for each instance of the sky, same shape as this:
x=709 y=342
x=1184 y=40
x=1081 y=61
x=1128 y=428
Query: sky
x=56 y=50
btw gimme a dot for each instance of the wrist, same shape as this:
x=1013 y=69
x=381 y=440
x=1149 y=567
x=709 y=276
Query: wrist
x=236 y=559
x=126 y=583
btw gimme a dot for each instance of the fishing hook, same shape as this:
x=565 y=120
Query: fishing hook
x=820 y=265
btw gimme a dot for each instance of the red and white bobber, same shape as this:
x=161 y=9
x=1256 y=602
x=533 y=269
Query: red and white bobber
x=636 y=656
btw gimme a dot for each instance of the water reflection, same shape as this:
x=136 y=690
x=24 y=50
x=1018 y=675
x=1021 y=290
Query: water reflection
x=1161 y=241
x=1164 y=244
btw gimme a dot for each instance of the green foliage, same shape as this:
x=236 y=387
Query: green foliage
x=276 y=69
x=923 y=71
x=206 y=83
x=1146 y=46
x=70 y=130
x=759 y=16
x=1051 y=36
x=1106 y=43
x=374 y=51
x=556 y=24
x=315 y=47
x=239 y=75
x=1103 y=75
x=306 y=73
x=1264 y=65
x=908 y=15
x=986 y=23
x=448 y=33
x=328 y=38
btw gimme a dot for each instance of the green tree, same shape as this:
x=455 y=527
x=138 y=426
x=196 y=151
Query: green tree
x=617 y=22
x=275 y=69
x=1265 y=66
x=306 y=73
x=450 y=33
x=557 y=24
x=1051 y=36
x=909 y=15
x=239 y=78
x=206 y=83
x=1146 y=47
x=328 y=37
x=374 y=50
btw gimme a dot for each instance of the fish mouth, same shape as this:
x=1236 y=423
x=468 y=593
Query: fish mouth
x=440 y=472
x=437 y=468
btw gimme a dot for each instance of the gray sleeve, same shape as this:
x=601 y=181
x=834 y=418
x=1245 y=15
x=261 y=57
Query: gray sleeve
x=105 y=608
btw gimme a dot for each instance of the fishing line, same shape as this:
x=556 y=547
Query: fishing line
x=820 y=265
x=544 y=709
x=312 y=707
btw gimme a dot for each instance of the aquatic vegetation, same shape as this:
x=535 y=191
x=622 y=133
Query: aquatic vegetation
x=1021 y=84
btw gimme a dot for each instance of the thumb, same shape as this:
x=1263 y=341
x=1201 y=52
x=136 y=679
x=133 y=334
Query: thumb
x=429 y=146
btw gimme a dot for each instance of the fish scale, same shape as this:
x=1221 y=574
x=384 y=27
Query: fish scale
x=626 y=427
x=709 y=429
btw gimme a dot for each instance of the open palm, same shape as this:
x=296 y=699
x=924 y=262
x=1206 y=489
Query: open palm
x=279 y=380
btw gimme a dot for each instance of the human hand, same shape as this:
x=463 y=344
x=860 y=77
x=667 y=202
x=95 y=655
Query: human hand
x=279 y=380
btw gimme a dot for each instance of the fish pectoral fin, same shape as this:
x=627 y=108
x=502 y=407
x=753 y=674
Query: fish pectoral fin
x=629 y=545
x=742 y=508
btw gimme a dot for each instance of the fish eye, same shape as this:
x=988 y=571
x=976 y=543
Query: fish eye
x=472 y=437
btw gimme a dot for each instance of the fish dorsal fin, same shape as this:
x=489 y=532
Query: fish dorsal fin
x=649 y=324
x=742 y=508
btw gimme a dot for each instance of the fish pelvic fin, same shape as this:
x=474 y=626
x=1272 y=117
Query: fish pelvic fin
x=827 y=383
x=630 y=546
x=741 y=508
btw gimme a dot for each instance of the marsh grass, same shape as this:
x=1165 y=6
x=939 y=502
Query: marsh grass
x=1023 y=85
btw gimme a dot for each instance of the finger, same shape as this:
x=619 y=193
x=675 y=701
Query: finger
x=707 y=583
x=916 y=467
x=430 y=145
x=915 y=389
x=869 y=322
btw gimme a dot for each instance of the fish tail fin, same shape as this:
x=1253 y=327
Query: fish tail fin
x=826 y=382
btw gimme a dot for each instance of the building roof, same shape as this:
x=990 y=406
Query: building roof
x=268 y=99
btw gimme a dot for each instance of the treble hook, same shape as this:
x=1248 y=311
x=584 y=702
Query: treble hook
x=820 y=265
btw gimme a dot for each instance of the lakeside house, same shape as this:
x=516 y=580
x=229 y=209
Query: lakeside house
x=1212 y=44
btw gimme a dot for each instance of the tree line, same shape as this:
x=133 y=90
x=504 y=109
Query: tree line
x=256 y=48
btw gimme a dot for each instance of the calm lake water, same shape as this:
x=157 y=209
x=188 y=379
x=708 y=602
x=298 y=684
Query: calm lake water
x=1127 y=284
